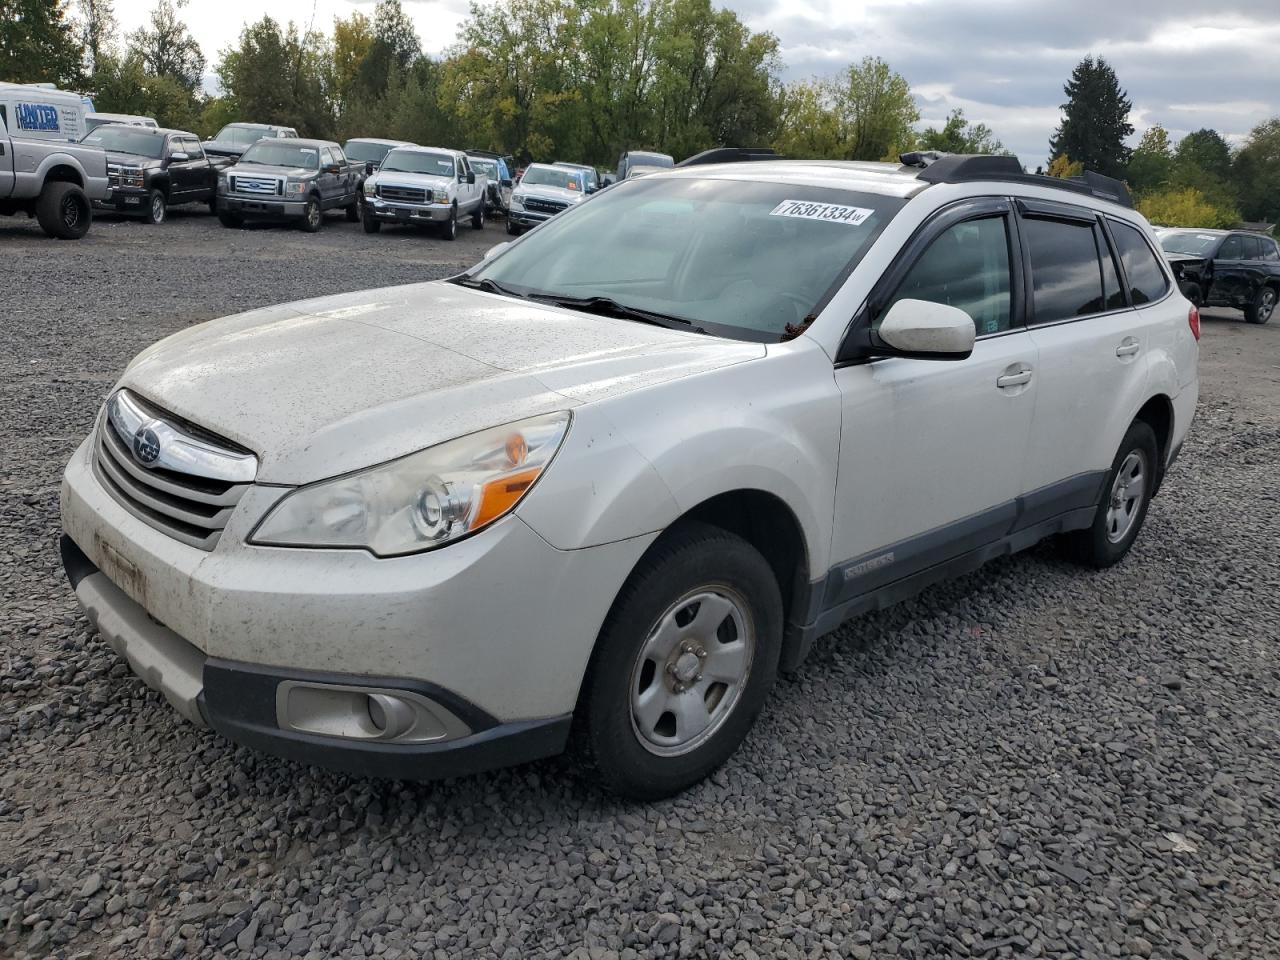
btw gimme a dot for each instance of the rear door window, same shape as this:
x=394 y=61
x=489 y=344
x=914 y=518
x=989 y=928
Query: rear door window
x=1270 y=251
x=1147 y=279
x=1232 y=248
x=1066 y=269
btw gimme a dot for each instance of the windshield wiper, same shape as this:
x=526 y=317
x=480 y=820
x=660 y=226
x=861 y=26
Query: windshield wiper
x=609 y=307
x=490 y=286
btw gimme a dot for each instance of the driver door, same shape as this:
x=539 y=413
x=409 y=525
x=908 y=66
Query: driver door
x=931 y=451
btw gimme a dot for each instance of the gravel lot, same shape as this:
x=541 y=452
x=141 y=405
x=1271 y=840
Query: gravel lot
x=1033 y=760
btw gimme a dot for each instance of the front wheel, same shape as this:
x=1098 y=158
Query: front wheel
x=370 y=224
x=312 y=216
x=512 y=229
x=1125 y=498
x=157 y=207
x=353 y=211
x=63 y=211
x=450 y=229
x=477 y=218
x=1264 y=304
x=229 y=219
x=683 y=664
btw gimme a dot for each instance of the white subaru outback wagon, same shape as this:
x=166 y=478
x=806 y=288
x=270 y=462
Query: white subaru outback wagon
x=627 y=468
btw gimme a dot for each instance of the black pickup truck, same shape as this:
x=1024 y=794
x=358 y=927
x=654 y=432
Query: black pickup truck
x=1226 y=268
x=150 y=170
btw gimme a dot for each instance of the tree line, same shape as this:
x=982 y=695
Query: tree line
x=587 y=79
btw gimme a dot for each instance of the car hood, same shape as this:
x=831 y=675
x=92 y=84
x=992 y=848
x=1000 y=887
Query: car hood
x=421 y=180
x=131 y=160
x=225 y=148
x=327 y=386
x=270 y=170
x=548 y=191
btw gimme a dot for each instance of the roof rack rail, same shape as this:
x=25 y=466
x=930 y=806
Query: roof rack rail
x=967 y=167
x=729 y=155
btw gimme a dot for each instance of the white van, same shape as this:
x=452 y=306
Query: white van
x=32 y=112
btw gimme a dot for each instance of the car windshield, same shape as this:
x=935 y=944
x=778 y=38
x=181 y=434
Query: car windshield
x=278 y=154
x=121 y=139
x=362 y=152
x=552 y=177
x=650 y=160
x=416 y=161
x=1189 y=242
x=487 y=167
x=241 y=135
x=740 y=259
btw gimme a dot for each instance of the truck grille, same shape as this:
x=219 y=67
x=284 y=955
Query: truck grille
x=404 y=194
x=544 y=206
x=172 y=475
x=267 y=186
x=118 y=176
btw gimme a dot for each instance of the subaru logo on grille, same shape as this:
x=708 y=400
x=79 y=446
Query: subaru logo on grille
x=146 y=445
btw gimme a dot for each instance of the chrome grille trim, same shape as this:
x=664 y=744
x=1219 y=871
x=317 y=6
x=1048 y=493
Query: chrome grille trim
x=541 y=205
x=191 y=488
x=267 y=186
x=404 y=194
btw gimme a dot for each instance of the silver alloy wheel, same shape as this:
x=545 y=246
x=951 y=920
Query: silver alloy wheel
x=692 y=670
x=157 y=208
x=1266 y=303
x=1126 y=496
x=70 y=211
x=313 y=213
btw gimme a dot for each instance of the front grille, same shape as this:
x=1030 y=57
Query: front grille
x=544 y=206
x=193 y=482
x=118 y=176
x=268 y=186
x=113 y=175
x=404 y=194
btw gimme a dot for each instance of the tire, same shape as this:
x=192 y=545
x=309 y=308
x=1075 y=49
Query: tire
x=450 y=229
x=213 y=205
x=512 y=229
x=312 y=216
x=640 y=750
x=1126 y=495
x=228 y=219
x=1263 y=306
x=477 y=218
x=353 y=211
x=157 y=207
x=63 y=211
x=371 y=224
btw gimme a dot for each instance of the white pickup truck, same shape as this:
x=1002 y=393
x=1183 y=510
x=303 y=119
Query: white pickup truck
x=424 y=186
x=54 y=181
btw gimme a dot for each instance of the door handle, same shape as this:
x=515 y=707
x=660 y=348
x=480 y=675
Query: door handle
x=1128 y=347
x=1014 y=379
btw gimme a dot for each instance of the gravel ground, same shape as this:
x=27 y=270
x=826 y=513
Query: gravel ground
x=1033 y=760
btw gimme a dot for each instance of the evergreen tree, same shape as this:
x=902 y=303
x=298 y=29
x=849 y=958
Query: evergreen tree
x=38 y=43
x=97 y=26
x=1207 y=151
x=1257 y=171
x=1096 y=120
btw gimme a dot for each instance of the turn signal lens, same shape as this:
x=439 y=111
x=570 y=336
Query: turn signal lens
x=500 y=495
x=1193 y=321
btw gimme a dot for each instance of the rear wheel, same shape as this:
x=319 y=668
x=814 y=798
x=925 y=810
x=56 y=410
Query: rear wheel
x=1125 y=498
x=1263 y=306
x=683 y=664
x=63 y=211
x=157 y=207
x=312 y=216
x=353 y=211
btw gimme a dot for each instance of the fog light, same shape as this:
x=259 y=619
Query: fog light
x=364 y=713
x=390 y=715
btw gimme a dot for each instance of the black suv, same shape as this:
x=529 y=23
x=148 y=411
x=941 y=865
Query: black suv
x=150 y=170
x=1225 y=268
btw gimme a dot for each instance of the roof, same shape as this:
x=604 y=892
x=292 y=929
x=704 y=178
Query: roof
x=156 y=131
x=121 y=116
x=1206 y=230
x=260 y=126
x=305 y=141
x=380 y=141
x=885 y=178
x=575 y=166
x=418 y=148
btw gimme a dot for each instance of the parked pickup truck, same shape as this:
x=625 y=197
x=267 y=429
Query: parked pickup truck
x=1224 y=268
x=152 y=170
x=425 y=186
x=289 y=180
x=54 y=181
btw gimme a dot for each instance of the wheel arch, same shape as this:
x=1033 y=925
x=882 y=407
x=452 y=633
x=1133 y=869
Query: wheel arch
x=1158 y=414
x=62 y=172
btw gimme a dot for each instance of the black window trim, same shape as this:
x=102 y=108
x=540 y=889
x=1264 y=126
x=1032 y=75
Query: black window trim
x=1170 y=282
x=938 y=223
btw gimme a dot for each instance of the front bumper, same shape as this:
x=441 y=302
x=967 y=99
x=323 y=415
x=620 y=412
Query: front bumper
x=527 y=218
x=389 y=212
x=277 y=208
x=124 y=200
x=250 y=704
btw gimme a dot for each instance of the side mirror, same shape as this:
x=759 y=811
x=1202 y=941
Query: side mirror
x=508 y=182
x=333 y=168
x=496 y=249
x=471 y=177
x=179 y=156
x=368 y=168
x=926 y=331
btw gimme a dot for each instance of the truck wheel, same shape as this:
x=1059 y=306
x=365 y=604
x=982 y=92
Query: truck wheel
x=450 y=229
x=1264 y=304
x=477 y=218
x=228 y=219
x=63 y=211
x=353 y=211
x=157 y=207
x=213 y=205
x=513 y=229
x=683 y=663
x=312 y=216
x=371 y=224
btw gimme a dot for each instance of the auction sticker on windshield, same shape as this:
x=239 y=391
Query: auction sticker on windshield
x=828 y=212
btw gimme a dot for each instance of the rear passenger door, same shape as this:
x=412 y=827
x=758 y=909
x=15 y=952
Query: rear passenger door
x=1086 y=275
x=1226 y=285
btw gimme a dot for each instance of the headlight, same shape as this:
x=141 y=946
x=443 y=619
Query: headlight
x=370 y=188
x=295 y=187
x=517 y=202
x=222 y=180
x=423 y=500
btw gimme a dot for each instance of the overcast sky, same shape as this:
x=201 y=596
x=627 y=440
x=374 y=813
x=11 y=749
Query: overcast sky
x=1186 y=64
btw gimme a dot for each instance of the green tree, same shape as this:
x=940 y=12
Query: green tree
x=1257 y=171
x=959 y=136
x=865 y=113
x=167 y=47
x=38 y=43
x=1186 y=207
x=352 y=42
x=97 y=27
x=1152 y=161
x=1096 y=119
x=122 y=84
x=277 y=75
x=1064 y=166
x=1205 y=151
